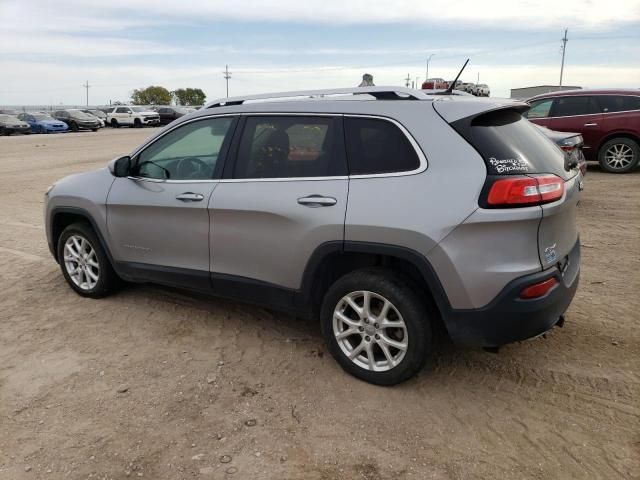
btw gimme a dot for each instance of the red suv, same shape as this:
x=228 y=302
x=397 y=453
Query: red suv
x=609 y=121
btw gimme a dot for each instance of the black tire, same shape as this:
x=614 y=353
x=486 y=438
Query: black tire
x=94 y=129
x=114 y=123
x=41 y=129
x=137 y=123
x=108 y=280
x=396 y=289
x=621 y=144
x=74 y=126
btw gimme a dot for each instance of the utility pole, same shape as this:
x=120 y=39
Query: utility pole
x=478 y=80
x=417 y=78
x=227 y=75
x=407 y=81
x=428 y=60
x=563 y=48
x=87 y=87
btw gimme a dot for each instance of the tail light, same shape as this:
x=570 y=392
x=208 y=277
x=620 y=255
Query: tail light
x=520 y=191
x=539 y=289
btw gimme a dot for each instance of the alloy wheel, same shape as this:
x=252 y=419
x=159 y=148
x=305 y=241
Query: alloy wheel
x=370 y=331
x=619 y=156
x=81 y=262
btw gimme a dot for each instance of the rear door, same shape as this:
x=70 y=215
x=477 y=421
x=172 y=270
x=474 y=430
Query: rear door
x=157 y=218
x=581 y=114
x=284 y=196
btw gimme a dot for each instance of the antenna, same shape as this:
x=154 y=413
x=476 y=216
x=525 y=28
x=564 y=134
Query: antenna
x=227 y=75
x=453 y=84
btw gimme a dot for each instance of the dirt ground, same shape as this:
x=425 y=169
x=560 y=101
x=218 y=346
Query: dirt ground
x=163 y=384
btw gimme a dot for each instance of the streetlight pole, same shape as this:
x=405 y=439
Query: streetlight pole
x=428 y=60
x=563 y=48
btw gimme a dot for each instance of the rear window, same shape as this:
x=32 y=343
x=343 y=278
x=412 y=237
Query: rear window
x=511 y=145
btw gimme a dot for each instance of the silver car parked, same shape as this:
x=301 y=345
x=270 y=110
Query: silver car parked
x=384 y=212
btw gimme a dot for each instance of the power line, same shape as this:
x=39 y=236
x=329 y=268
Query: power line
x=227 y=75
x=563 y=48
x=87 y=87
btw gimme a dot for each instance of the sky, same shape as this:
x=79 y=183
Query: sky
x=50 y=48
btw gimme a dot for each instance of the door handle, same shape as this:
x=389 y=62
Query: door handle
x=190 y=197
x=590 y=124
x=317 y=201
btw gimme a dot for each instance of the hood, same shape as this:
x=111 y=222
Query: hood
x=50 y=122
x=14 y=123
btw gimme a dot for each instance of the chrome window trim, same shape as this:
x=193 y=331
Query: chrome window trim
x=423 y=165
x=587 y=95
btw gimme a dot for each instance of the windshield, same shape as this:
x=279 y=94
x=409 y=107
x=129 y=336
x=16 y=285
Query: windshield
x=80 y=114
x=97 y=113
x=140 y=109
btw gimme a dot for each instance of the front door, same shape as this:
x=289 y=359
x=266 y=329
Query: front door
x=283 y=197
x=157 y=218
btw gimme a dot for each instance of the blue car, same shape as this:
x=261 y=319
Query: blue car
x=43 y=123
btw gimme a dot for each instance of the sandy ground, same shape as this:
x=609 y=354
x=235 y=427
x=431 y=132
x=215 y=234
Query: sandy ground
x=159 y=383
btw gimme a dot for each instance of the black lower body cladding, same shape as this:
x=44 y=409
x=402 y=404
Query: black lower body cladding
x=508 y=318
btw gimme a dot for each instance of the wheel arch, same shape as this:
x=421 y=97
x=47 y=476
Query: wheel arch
x=332 y=260
x=62 y=217
x=618 y=134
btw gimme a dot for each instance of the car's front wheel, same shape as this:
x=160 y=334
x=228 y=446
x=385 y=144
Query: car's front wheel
x=376 y=326
x=619 y=155
x=114 y=123
x=84 y=263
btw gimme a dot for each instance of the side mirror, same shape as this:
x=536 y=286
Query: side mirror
x=120 y=167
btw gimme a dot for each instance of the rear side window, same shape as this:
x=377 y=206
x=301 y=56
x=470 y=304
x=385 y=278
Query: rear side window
x=511 y=145
x=122 y=110
x=618 y=103
x=577 y=105
x=378 y=146
x=289 y=147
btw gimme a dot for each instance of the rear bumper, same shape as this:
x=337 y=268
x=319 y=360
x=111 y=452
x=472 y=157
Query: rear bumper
x=508 y=318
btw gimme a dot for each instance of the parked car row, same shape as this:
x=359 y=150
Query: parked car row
x=477 y=89
x=75 y=119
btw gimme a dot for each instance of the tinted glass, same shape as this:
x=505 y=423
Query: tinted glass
x=539 y=109
x=289 y=147
x=577 y=105
x=378 y=146
x=189 y=152
x=122 y=110
x=618 y=103
x=511 y=145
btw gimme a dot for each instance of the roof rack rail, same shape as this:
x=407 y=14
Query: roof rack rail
x=380 y=93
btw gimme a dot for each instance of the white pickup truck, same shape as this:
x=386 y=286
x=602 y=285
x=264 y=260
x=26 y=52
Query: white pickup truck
x=132 y=116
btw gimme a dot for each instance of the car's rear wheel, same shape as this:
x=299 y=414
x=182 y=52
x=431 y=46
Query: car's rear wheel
x=84 y=263
x=619 y=155
x=74 y=126
x=376 y=326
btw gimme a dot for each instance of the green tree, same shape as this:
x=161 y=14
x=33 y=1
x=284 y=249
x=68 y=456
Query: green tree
x=153 y=95
x=189 y=96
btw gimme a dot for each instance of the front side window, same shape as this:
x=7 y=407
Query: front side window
x=289 y=147
x=539 y=109
x=190 y=152
x=575 y=105
x=378 y=146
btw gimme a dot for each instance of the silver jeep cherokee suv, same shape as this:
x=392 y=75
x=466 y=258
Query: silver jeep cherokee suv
x=383 y=211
